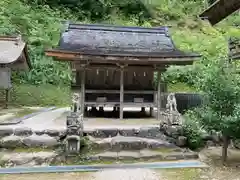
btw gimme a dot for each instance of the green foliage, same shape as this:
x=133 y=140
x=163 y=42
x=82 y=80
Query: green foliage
x=40 y=27
x=39 y=21
x=95 y=9
x=220 y=83
x=193 y=131
x=180 y=87
x=210 y=42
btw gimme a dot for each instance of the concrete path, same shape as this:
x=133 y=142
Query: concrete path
x=44 y=120
x=56 y=120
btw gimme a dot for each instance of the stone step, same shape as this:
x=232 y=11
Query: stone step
x=118 y=143
x=43 y=141
x=104 y=132
x=9 y=159
x=143 y=155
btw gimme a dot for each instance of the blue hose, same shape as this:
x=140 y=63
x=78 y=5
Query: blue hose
x=92 y=168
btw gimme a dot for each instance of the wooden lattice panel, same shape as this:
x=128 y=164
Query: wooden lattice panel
x=234 y=48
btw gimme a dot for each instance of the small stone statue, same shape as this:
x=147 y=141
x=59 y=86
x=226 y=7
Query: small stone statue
x=75 y=102
x=171 y=103
x=18 y=40
x=172 y=116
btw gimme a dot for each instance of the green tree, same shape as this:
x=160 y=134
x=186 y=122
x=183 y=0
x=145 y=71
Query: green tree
x=221 y=110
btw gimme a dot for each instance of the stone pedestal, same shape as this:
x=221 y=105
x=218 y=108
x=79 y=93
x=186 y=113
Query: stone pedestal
x=74 y=131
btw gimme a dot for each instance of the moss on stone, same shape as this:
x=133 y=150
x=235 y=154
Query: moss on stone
x=29 y=149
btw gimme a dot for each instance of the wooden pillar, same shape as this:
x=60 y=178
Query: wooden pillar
x=158 y=95
x=121 y=92
x=82 y=91
x=151 y=111
x=7 y=98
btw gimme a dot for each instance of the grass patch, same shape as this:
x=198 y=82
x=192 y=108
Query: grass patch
x=42 y=95
x=181 y=174
x=181 y=87
x=24 y=112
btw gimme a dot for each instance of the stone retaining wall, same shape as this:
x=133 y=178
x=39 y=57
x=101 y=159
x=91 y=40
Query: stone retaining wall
x=26 y=137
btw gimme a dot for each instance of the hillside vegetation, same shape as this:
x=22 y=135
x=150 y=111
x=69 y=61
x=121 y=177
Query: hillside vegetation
x=39 y=21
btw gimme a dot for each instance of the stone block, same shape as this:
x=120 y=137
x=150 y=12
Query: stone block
x=39 y=132
x=110 y=132
x=11 y=141
x=5 y=131
x=181 y=141
x=191 y=155
x=52 y=132
x=148 y=154
x=153 y=131
x=108 y=156
x=173 y=131
x=40 y=141
x=23 y=131
x=23 y=158
x=127 y=132
x=174 y=156
x=128 y=155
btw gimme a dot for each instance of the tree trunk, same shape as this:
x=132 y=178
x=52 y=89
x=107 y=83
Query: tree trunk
x=225 y=148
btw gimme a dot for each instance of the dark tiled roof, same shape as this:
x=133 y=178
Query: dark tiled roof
x=13 y=52
x=220 y=10
x=120 y=41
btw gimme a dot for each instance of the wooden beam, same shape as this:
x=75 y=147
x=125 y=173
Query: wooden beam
x=78 y=66
x=134 y=59
x=91 y=91
x=220 y=10
x=112 y=104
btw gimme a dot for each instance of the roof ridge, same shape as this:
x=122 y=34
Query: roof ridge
x=110 y=27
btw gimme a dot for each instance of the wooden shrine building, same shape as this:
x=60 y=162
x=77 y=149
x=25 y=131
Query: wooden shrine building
x=114 y=66
x=220 y=10
x=13 y=56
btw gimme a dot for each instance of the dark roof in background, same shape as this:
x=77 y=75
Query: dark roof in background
x=220 y=10
x=234 y=49
x=13 y=52
x=112 y=40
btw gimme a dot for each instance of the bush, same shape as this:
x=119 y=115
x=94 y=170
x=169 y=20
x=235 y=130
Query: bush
x=192 y=131
x=97 y=10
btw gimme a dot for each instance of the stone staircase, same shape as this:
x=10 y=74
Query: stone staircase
x=111 y=144
x=140 y=144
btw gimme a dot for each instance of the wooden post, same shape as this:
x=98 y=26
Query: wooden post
x=151 y=111
x=121 y=91
x=7 y=98
x=82 y=91
x=158 y=95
